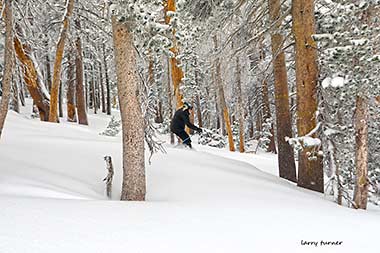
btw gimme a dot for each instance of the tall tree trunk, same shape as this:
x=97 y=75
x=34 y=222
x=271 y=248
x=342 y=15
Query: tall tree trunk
x=240 y=106
x=15 y=101
x=199 y=111
x=361 y=136
x=80 y=96
x=47 y=66
x=93 y=90
x=310 y=172
x=286 y=164
x=108 y=88
x=33 y=78
x=58 y=62
x=222 y=100
x=134 y=185
x=176 y=72
x=71 y=110
x=267 y=115
x=104 y=109
x=170 y=100
x=8 y=63
x=60 y=99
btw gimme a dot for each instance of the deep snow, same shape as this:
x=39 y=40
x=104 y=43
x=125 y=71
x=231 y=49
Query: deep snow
x=53 y=199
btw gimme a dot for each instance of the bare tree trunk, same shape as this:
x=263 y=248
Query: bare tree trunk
x=33 y=78
x=268 y=115
x=80 y=96
x=58 y=63
x=361 y=136
x=134 y=185
x=286 y=164
x=93 y=90
x=108 y=88
x=170 y=100
x=71 y=110
x=240 y=106
x=310 y=172
x=104 y=109
x=223 y=101
x=199 y=111
x=47 y=66
x=60 y=99
x=16 y=80
x=8 y=63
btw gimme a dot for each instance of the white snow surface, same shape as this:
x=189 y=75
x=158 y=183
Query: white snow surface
x=53 y=199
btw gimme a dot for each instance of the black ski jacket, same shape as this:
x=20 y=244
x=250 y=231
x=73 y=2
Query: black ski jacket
x=180 y=119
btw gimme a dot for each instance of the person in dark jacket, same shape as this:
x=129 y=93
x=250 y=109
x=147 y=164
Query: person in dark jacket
x=180 y=120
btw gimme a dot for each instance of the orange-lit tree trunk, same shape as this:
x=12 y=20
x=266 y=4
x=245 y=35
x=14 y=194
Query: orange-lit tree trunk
x=222 y=100
x=71 y=108
x=240 y=106
x=33 y=78
x=176 y=72
x=310 y=172
x=53 y=117
x=80 y=96
x=8 y=63
x=361 y=136
x=286 y=164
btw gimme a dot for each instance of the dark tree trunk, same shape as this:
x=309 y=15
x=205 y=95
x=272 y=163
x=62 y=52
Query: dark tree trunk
x=80 y=97
x=286 y=164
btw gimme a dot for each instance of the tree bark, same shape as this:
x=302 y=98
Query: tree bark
x=286 y=164
x=268 y=115
x=310 y=172
x=104 y=109
x=80 y=97
x=361 y=137
x=8 y=63
x=134 y=185
x=71 y=109
x=170 y=100
x=108 y=88
x=199 y=111
x=60 y=99
x=33 y=78
x=47 y=66
x=240 y=106
x=58 y=63
x=176 y=72
x=222 y=100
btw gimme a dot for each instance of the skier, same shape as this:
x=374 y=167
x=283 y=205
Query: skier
x=180 y=119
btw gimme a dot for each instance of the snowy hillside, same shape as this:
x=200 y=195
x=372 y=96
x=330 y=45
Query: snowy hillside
x=52 y=200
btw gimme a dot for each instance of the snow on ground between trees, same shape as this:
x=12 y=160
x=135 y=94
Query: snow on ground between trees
x=210 y=200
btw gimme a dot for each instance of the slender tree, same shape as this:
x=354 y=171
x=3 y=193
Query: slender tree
x=80 y=95
x=8 y=63
x=361 y=136
x=240 y=106
x=222 y=99
x=71 y=109
x=286 y=164
x=58 y=62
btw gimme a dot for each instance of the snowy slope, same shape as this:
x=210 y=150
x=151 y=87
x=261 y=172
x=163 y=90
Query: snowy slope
x=52 y=200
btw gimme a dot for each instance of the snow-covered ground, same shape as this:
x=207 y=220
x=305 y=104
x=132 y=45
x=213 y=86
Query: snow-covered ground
x=52 y=199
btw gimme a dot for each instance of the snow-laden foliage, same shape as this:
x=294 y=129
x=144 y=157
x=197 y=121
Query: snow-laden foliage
x=113 y=127
x=348 y=39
